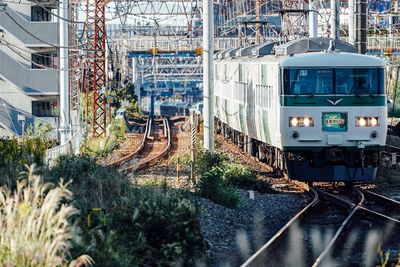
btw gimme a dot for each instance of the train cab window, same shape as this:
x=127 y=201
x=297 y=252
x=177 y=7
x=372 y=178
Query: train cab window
x=308 y=81
x=359 y=81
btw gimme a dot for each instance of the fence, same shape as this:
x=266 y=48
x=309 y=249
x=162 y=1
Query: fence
x=70 y=147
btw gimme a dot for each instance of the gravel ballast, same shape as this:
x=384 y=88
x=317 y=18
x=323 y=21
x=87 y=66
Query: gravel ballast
x=232 y=235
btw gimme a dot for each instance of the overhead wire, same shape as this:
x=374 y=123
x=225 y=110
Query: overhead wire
x=34 y=63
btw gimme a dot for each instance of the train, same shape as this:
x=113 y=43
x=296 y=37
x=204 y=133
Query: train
x=311 y=108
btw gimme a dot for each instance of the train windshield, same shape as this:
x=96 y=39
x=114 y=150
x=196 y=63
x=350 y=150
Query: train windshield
x=334 y=81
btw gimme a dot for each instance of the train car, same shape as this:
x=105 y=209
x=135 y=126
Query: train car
x=312 y=108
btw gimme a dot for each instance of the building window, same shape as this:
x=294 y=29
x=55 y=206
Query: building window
x=40 y=14
x=45 y=60
x=46 y=108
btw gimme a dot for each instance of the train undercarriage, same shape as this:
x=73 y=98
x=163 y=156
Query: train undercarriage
x=325 y=164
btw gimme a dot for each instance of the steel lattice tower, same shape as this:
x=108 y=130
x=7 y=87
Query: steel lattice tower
x=96 y=62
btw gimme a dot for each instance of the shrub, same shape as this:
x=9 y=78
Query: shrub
x=117 y=130
x=98 y=147
x=15 y=154
x=93 y=185
x=241 y=176
x=160 y=228
x=206 y=160
x=144 y=225
x=34 y=224
x=212 y=186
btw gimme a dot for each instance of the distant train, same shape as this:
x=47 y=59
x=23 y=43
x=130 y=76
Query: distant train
x=312 y=108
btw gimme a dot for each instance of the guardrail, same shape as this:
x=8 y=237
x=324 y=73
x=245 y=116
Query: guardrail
x=70 y=147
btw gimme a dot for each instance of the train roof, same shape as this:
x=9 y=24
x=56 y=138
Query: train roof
x=331 y=59
x=298 y=46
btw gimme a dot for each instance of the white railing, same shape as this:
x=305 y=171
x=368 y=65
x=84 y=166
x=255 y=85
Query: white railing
x=71 y=147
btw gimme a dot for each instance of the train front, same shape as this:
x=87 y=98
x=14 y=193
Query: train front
x=333 y=116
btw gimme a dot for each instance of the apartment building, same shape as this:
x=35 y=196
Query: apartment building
x=29 y=80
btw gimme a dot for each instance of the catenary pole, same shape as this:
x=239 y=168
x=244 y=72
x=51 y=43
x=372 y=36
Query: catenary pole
x=351 y=22
x=208 y=74
x=313 y=18
x=65 y=127
x=334 y=20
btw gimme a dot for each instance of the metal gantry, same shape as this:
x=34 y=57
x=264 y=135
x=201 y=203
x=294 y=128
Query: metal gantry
x=96 y=63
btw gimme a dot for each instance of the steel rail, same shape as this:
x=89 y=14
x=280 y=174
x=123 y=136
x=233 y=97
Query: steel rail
x=358 y=208
x=137 y=151
x=381 y=198
x=345 y=223
x=141 y=165
x=295 y=218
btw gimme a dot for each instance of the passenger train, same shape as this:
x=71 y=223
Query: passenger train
x=312 y=108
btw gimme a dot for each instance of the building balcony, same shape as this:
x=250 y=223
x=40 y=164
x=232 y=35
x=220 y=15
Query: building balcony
x=46 y=31
x=30 y=81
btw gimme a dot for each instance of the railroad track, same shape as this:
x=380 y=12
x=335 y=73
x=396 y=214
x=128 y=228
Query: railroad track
x=357 y=219
x=130 y=156
x=155 y=145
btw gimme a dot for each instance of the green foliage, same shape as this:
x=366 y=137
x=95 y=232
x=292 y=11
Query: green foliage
x=160 y=228
x=98 y=146
x=183 y=160
x=206 y=160
x=241 y=176
x=120 y=94
x=117 y=130
x=145 y=226
x=15 y=154
x=93 y=185
x=213 y=186
x=218 y=176
x=132 y=111
x=35 y=226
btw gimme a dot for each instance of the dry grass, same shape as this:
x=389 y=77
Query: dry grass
x=35 y=227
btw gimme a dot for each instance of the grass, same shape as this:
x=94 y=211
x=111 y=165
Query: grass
x=146 y=225
x=220 y=177
x=35 y=228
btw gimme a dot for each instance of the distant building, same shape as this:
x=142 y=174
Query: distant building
x=29 y=81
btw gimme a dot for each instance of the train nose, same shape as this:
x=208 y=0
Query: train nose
x=334 y=139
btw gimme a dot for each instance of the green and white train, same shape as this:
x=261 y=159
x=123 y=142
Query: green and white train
x=312 y=108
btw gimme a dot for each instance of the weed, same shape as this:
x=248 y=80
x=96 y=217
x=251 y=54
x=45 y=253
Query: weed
x=241 y=176
x=145 y=225
x=212 y=186
x=34 y=224
x=206 y=160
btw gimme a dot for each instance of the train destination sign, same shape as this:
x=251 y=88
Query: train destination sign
x=334 y=121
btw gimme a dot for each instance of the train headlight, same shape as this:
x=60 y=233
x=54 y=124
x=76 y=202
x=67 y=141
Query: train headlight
x=301 y=122
x=367 y=121
x=361 y=121
x=307 y=121
x=373 y=121
x=293 y=121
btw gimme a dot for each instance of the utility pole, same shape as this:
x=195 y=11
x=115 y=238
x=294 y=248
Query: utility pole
x=335 y=34
x=208 y=73
x=361 y=26
x=258 y=24
x=313 y=18
x=351 y=22
x=65 y=127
